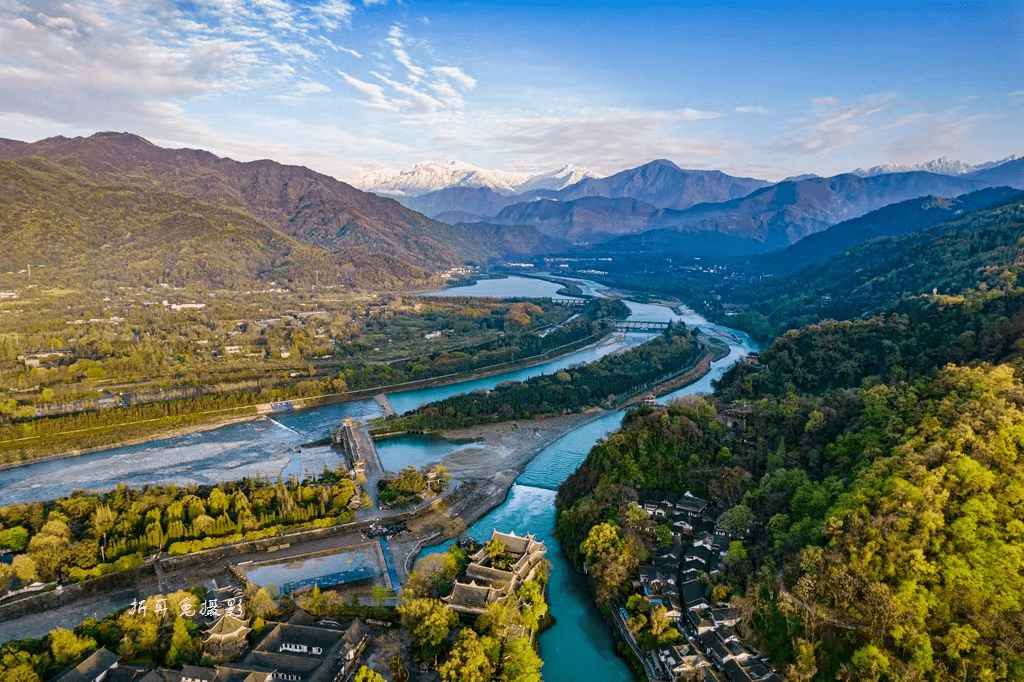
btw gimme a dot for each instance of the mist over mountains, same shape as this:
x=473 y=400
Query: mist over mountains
x=432 y=176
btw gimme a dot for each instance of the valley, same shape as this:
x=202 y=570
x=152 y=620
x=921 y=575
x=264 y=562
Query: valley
x=577 y=383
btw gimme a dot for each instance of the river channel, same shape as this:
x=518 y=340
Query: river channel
x=579 y=646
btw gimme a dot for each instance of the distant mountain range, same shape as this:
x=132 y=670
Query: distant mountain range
x=891 y=221
x=941 y=165
x=659 y=183
x=659 y=206
x=314 y=222
x=432 y=176
x=289 y=222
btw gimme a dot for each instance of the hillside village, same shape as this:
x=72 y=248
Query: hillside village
x=676 y=579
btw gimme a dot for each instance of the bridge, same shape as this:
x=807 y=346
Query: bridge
x=641 y=326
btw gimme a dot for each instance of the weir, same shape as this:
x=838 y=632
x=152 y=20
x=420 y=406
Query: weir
x=285 y=427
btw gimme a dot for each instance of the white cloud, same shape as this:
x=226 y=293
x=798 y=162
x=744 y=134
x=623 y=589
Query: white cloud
x=373 y=94
x=428 y=92
x=833 y=126
x=456 y=74
x=1017 y=93
x=131 y=65
x=416 y=99
x=611 y=141
x=397 y=40
x=751 y=110
x=334 y=14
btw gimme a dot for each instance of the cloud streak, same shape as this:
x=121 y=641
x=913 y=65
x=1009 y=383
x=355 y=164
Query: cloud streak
x=430 y=89
x=612 y=140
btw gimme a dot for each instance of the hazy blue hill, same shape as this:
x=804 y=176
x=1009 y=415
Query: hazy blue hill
x=783 y=214
x=663 y=184
x=895 y=219
x=587 y=219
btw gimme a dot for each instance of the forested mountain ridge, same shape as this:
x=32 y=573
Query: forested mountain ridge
x=869 y=469
x=82 y=231
x=980 y=248
x=889 y=221
x=311 y=207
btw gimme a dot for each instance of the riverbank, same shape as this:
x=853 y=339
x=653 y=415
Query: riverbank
x=502 y=452
x=300 y=403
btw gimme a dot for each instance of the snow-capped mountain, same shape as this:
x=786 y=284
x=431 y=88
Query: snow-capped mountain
x=559 y=179
x=941 y=165
x=993 y=164
x=431 y=176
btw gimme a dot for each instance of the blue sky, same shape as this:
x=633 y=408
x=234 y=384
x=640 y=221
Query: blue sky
x=346 y=86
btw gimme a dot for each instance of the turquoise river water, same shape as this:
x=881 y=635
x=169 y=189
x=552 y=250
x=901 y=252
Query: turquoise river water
x=579 y=647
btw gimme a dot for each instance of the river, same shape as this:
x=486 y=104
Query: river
x=579 y=646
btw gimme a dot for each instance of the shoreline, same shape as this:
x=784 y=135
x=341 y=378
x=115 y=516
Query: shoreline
x=486 y=474
x=502 y=480
x=315 y=401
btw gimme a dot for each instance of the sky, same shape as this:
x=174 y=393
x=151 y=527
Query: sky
x=349 y=86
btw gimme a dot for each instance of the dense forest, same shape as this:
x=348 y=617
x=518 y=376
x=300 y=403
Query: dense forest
x=869 y=469
x=603 y=382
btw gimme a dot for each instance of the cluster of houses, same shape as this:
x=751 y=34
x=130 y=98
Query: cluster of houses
x=296 y=651
x=712 y=651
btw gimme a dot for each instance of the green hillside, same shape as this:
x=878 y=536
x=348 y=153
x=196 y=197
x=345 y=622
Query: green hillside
x=81 y=231
x=978 y=249
x=868 y=469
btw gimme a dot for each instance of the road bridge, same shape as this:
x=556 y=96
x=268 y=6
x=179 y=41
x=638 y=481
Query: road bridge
x=641 y=326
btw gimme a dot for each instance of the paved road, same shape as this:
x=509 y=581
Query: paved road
x=39 y=624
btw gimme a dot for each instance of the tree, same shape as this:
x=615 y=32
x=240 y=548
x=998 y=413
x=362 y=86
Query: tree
x=262 y=604
x=433 y=575
x=22 y=672
x=183 y=647
x=379 y=594
x=51 y=549
x=141 y=632
x=737 y=520
x=499 y=620
x=25 y=568
x=494 y=548
x=67 y=647
x=365 y=674
x=428 y=621
x=659 y=620
x=467 y=661
x=14 y=539
x=532 y=605
x=609 y=560
x=521 y=662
